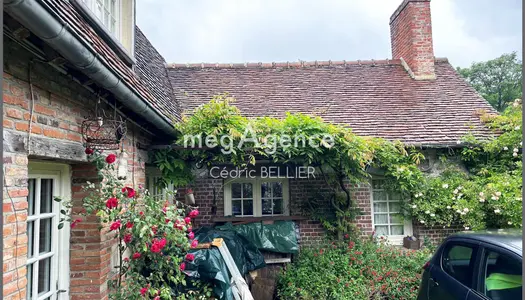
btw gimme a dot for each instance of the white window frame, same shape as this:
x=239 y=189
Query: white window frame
x=407 y=222
x=91 y=4
x=61 y=174
x=257 y=201
x=167 y=194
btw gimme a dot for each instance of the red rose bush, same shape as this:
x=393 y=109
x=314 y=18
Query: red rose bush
x=153 y=237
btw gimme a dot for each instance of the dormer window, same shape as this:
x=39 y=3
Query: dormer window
x=108 y=12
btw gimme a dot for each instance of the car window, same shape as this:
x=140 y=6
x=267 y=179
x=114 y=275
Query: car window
x=458 y=262
x=502 y=275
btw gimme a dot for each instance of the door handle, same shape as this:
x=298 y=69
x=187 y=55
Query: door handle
x=434 y=282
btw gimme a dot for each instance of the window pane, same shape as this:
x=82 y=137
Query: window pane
x=380 y=219
x=502 y=267
x=396 y=219
x=44 y=275
x=113 y=7
x=247 y=207
x=266 y=191
x=277 y=189
x=98 y=9
x=46 y=195
x=394 y=207
x=380 y=207
x=31 y=197
x=266 y=206
x=236 y=207
x=236 y=190
x=397 y=230
x=30 y=281
x=44 y=238
x=381 y=230
x=278 y=206
x=395 y=196
x=106 y=18
x=457 y=262
x=247 y=190
x=379 y=196
x=30 y=238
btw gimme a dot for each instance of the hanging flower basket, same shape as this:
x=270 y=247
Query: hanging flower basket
x=103 y=134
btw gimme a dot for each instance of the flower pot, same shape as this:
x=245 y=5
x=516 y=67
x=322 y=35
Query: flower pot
x=411 y=243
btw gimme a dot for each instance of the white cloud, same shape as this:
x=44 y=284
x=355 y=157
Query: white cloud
x=276 y=30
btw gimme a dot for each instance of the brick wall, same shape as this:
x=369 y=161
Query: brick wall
x=411 y=37
x=436 y=234
x=59 y=106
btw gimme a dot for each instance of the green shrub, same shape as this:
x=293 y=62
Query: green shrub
x=353 y=270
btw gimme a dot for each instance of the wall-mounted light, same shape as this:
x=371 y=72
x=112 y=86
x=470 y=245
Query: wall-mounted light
x=122 y=171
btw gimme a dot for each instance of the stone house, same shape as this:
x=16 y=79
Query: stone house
x=65 y=61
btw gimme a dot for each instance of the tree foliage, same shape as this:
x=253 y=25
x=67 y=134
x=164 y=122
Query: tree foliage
x=497 y=80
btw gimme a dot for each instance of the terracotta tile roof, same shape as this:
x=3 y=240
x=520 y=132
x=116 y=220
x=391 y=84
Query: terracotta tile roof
x=81 y=28
x=151 y=69
x=374 y=98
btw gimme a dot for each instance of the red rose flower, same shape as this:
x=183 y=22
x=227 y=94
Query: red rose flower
x=129 y=225
x=136 y=255
x=127 y=238
x=129 y=191
x=115 y=225
x=112 y=203
x=155 y=248
x=190 y=257
x=126 y=259
x=194 y=213
x=182 y=266
x=189 y=229
x=141 y=213
x=194 y=243
x=89 y=151
x=143 y=291
x=156 y=298
x=187 y=220
x=191 y=235
x=162 y=242
x=74 y=223
x=111 y=158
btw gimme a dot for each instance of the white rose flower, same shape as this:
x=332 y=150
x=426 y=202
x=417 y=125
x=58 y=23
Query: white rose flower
x=414 y=206
x=422 y=222
x=416 y=196
x=515 y=154
x=467 y=228
x=481 y=194
x=459 y=196
x=481 y=200
x=462 y=213
x=465 y=209
x=456 y=191
x=494 y=198
x=420 y=194
x=515 y=104
x=517 y=128
x=458 y=211
x=427 y=212
x=521 y=144
x=515 y=150
x=445 y=186
x=498 y=194
x=505 y=148
x=458 y=142
x=510 y=223
x=460 y=187
x=448 y=207
x=497 y=211
x=432 y=215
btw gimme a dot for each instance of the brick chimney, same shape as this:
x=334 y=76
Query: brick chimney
x=411 y=38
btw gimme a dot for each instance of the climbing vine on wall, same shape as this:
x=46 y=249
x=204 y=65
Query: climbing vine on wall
x=217 y=133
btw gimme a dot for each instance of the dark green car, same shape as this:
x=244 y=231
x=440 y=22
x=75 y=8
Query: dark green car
x=475 y=265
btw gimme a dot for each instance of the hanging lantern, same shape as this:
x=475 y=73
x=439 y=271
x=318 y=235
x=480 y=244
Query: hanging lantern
x=122 y=171
x=101 y=132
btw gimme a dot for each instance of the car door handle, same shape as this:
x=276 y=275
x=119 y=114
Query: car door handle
x=433 y=281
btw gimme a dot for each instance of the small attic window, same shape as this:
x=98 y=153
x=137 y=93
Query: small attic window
x=108 y=12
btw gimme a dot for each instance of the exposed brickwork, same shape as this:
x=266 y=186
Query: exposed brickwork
x=411 y=37
x=59 y=107
x=436 y=234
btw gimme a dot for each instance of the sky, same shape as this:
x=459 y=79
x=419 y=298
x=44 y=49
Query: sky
x=233 y=31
